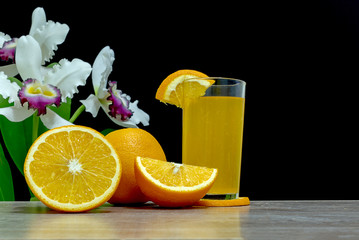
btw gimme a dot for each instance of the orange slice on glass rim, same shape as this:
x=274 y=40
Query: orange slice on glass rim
x=169 y=184
x=172 y=88
x=72 y=169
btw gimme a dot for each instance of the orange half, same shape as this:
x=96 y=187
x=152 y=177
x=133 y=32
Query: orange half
x=72 y=169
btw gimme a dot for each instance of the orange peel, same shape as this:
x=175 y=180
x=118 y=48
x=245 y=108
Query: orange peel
x=241 y=201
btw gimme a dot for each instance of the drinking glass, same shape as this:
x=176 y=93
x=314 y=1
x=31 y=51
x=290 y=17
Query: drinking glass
x=213 y=133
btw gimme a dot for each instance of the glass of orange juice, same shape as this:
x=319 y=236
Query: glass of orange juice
x=213 y=133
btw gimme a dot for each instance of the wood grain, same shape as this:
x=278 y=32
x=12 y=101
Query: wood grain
x=260 y=220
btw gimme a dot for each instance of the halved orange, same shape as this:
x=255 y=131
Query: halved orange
x=172 y=88
x=72 y=169
x=171 y=184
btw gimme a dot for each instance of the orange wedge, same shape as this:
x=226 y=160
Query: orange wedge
x=171 y=184
x=172 y=88
x=72 y=169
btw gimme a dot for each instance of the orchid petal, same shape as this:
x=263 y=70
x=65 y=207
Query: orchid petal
x=10 y=70
x=39 y=96
x=102 y=67
x=49 y=36
x=38 y=19
x=4 y=38
x=16 y=114
x=120 y=102
x=92 y=105
x=7 y=52
x=105 y=108
x=139 y=116
x=52 y=120
x=9 y=89
x=28 y=58
x=128 y=123
x=67 y=76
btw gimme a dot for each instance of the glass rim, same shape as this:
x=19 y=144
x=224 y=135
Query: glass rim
x=219 y=78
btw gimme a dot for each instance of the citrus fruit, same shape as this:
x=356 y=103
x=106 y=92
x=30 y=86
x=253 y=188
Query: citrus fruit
x=182 y=84
x=130 y=143
x=241 y=201
x=72 y=168
x=171 y=184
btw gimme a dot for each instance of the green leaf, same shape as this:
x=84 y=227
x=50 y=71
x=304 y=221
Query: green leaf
x=107 y=131
x=64 y=110
x=34 y=199
x=17 y=138
x=51 y=65
x=14 y=79
x=4 y=102
x=6 y=184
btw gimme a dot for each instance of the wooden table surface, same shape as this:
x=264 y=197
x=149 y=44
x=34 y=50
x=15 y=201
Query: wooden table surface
x=261 y=220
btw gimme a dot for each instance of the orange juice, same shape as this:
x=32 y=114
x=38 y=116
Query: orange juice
x=212 y=137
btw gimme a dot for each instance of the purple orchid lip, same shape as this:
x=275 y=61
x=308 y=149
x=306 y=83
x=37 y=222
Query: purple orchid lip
x=7 y=52
x=120 y=104
x=39 y=96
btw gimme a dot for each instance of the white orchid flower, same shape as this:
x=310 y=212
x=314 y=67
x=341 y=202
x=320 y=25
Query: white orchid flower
x=48 y=34
x=42 y=87
x=116 y=104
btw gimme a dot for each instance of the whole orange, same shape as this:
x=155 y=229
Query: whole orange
x=130 y=143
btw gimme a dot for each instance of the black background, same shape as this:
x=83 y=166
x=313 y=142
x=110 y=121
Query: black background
x=299 y=60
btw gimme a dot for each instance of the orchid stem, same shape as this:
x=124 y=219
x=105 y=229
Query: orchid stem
x=35 y=127
x=77 y=113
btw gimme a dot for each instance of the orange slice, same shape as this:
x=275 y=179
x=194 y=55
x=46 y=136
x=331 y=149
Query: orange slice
x=171 y=184
x=172 y=88
x=242 y=201
x=72 y=169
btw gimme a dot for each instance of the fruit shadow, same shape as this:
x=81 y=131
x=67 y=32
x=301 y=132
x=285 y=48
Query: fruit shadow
x=43 y=209
x=150 y=205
